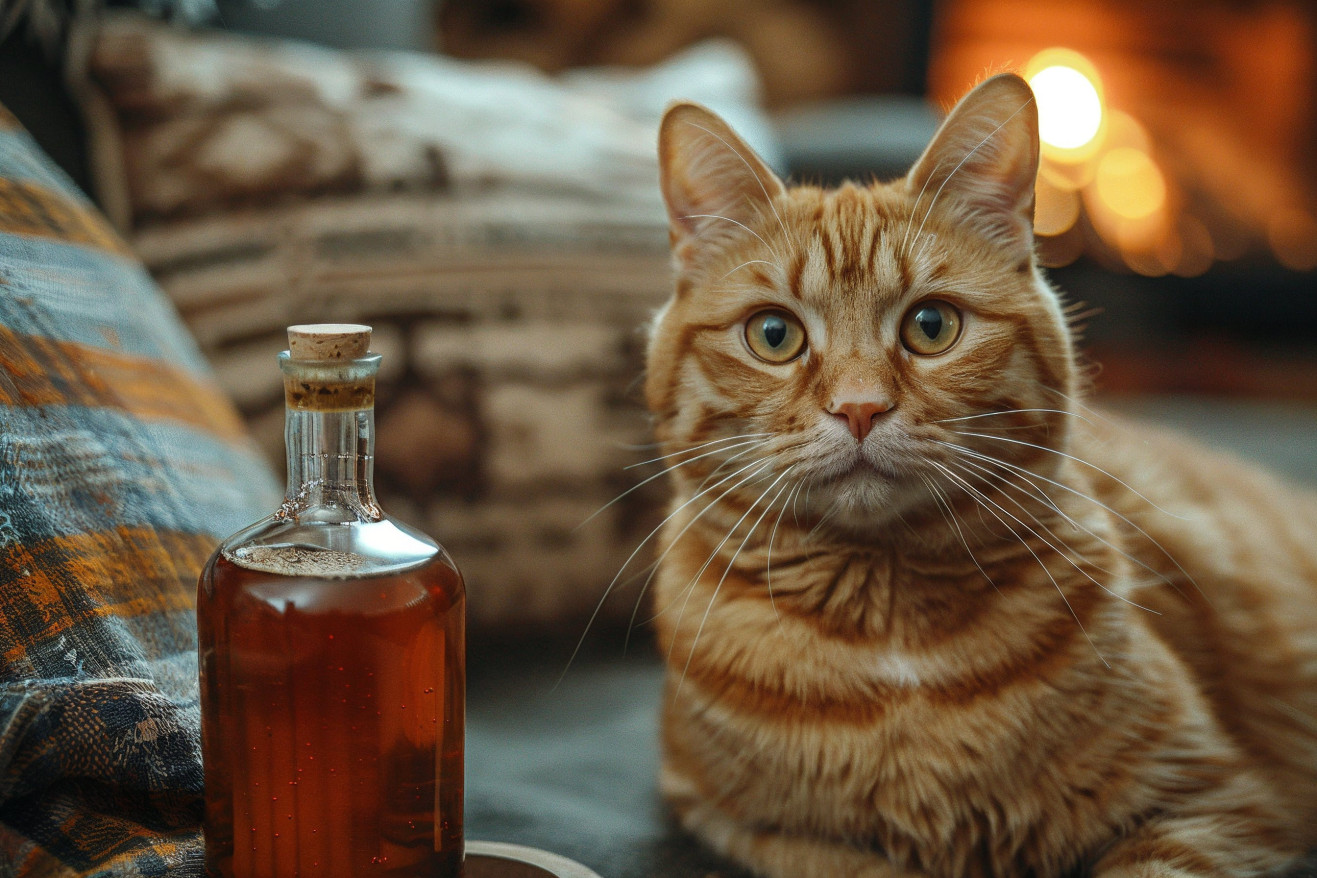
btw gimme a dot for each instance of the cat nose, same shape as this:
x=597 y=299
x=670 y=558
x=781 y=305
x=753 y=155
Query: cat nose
x=859 y=416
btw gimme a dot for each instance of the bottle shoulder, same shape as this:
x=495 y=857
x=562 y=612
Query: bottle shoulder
x=328 y=547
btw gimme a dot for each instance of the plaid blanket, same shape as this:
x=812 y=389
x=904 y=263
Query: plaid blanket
x=121 y=466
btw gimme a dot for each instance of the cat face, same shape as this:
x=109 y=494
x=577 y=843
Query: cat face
x=830 y=342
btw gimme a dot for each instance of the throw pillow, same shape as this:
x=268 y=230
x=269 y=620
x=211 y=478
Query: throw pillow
x=121 y=467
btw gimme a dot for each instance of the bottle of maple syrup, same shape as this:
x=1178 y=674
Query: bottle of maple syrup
x=332 y=656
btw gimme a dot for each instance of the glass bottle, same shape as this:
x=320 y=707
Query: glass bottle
x=332 y=657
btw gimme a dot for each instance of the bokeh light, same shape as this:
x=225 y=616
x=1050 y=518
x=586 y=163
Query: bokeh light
x=1069 y=96
x=1197 y=248
x=1056 y=208
x=1129 y=183
x=1292 y=233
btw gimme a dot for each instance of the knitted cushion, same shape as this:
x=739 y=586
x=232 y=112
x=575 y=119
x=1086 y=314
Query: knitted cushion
x=505 y=276
x=121 y=467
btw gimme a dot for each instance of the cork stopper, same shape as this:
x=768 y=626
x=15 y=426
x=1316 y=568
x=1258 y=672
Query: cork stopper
x=328 y=341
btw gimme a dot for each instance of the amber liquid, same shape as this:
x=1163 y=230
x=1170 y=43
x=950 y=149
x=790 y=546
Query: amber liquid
x=332 y=722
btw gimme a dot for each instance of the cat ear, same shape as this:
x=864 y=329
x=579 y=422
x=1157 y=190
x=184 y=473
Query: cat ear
x=986 y=153
x=714 y=184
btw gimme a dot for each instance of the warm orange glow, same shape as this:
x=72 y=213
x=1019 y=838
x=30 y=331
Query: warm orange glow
x=1147 y=248
x=1067 y=89
x=1216 y=99
x=1056 y=208
x=1197 y=250
x=1068 y=107
x=1292 y=233
x=1058 y=250
x=1073 y=176
x=1122 y=129
x=1129 y=183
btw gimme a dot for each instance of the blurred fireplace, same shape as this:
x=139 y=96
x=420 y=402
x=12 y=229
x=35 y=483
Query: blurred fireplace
x=1205 y=150
x=1189 y=218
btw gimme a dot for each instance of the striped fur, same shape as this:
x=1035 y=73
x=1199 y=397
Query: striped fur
x=1001 y=634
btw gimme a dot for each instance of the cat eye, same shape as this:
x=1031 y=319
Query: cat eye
x=930 y=327
x=775 y=336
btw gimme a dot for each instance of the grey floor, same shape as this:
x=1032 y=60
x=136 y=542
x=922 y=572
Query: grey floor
x=1281 y=436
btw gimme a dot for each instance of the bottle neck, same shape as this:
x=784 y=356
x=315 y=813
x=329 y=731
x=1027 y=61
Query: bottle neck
x=329 y=432
x=331 y=463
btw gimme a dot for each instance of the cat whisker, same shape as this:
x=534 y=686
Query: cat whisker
x=995 y=483
x=828 y=515
x=949 y=515
x=750 y=262
x=1011 y=412
x=1008 y=478
x=689 y=589
x=1078 y=460
x=757 y=467
x=660 y=474
x=1306 y=721
x=988 y=504
x=732 y=459
x=992 y=477
x=1030 y=475
x=778 y=453
x=653 y=566
x=1039 y=494
x=653 y=569
x=749 y=167
x=768 y=568
x=760 y=238
x=1076 y=402
x=1069 y=552
x=649 y=536
x=910 y=224
x=713 y=474
x=926 y=243
x=744 y=437
x=649 y=571
x=807 y=537
x=695 y=642
x=991 y=134
x=1010 y=427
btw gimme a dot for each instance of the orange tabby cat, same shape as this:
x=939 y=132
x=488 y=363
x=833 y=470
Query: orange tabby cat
x=926 y=613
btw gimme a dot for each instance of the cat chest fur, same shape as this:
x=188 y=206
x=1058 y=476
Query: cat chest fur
x=898 y=735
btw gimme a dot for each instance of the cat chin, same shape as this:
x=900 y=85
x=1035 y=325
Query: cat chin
x=864 y=500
